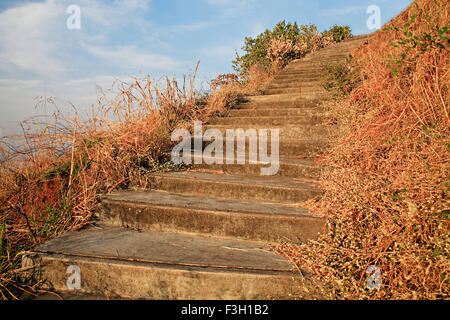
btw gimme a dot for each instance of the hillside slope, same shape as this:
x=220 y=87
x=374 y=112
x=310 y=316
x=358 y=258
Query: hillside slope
x=386 y=195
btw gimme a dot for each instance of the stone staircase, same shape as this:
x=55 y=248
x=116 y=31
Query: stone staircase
x=206 y=233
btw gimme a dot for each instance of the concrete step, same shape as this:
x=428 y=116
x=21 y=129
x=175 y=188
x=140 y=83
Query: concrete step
x=304 y=67
x=282 y=112
x=286 y=132
x=298 y=98
x=171 y=212
x=121 y=263
x=296 y=77
x=302 y=72
x=313 y=91
x=317 y=59
x=261 y=188
x=299 y=148
x=279 y=104
x=293 y=100
x=288 y=148
x=275 y=84
x=269 y=120
x=296 y=82
x=295 y=168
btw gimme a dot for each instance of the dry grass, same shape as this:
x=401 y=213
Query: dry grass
x=55 y=173
x=386 y=195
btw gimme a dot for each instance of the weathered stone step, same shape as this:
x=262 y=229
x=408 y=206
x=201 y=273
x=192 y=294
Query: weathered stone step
x=339 y=49
x=287 y=148
x=318 y=59
x=277 y=112
x=292 y=100
x=296 y=77
x=330 y=52
x=269 y=120
x=121 y=263
x=263 y=188
x=303 y=67
x=170 y=212
x=294 y=84
x=302 y=73
x=288 y=132
x=278 y=104
x=288 y=167
x=319 y=62
x=313 y=91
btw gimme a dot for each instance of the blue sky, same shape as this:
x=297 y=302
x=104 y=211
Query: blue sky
x=120 y=38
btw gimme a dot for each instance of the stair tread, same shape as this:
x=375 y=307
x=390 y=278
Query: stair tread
x=280 y=97
x=170 y=250
x=291 y=160
x=163 y=198
x=266 y=181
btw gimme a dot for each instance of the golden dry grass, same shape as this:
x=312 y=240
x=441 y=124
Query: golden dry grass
x=386 y=193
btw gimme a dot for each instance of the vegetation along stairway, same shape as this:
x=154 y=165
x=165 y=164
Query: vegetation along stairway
x=205 y=233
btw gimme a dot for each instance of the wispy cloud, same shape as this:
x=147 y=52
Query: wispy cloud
x=27 y=40
x=131 y=57
x=219 y=52
x=342 y=11
x=22 y=84
x=232 y=7
x=34 y=37
x=190 y=27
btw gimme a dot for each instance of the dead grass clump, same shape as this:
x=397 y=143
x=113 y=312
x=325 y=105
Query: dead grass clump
x=386 y=192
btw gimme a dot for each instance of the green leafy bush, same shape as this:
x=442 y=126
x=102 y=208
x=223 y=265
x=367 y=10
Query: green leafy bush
x=338 y=79
x=256 y=48
x=339 y=33
x=285 y=42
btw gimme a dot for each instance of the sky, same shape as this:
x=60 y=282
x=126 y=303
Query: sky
x=44 y=53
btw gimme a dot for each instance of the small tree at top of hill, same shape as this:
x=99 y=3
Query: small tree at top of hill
x=286 y=42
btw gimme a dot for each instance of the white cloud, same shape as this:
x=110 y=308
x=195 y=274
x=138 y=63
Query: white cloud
x=22 y=84
x=34 y=37
x=18 y=98
x=130 y=56
x=133 y=4
x=232 y=7
x=219 y=51
x=342 y=11
x=27 y=39
x=98 y=80
x=190 y=27
x=111 y=15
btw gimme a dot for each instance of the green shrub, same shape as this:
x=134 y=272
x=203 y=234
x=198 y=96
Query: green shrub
x=256 y=48
x=299 y=40
x=339 y=33
x=338 y=79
